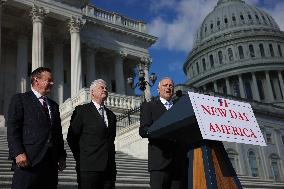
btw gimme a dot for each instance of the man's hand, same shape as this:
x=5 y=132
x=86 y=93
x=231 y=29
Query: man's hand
x=61 y=164
x=22 y=160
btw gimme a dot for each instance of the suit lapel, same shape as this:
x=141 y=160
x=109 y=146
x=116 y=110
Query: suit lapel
x=95 y=112
x=161 y=106
x=36 y=103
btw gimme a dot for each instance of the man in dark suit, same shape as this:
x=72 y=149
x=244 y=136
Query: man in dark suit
x=91 y=138
x=161 y=152
x=34 y=135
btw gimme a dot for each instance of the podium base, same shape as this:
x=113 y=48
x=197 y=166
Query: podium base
x=209 y=167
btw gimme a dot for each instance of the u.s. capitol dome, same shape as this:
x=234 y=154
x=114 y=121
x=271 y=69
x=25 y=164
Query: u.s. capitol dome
x=238 y=50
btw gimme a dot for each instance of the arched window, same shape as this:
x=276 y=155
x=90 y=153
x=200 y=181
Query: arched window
x=204 y=64
x=253 y=164
x=211 y=61
x=261 y=48
x=241 y=52
x=280 y=51
x=275 y=166
x=226 y=20
x=220 y=56
x=271 y=50
x=251 y=51
x=230 y=54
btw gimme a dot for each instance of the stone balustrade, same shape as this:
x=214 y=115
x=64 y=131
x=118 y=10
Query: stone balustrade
x=112 y=17
x=114 y=101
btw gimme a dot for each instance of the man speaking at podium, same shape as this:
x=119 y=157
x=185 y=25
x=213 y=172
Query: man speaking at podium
x=161 y=152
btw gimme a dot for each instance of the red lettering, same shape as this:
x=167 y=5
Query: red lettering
x=218 y=128
x=222 y=126
x=240 y=116
x=227 y=129
x=245 y=132
x=252 y=134
x=222 y=112
x=206 y=109
x=233 y=114
x=213 y=110
x=246 y=118
x=212 y=128
x=235 y=130
x=241 y=132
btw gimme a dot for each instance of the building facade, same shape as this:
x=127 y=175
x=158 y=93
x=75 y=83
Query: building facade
x=77 y=40
x=239 y=53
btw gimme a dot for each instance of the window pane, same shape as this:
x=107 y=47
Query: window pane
x=271 y=50
x=280 y=51
x=241 y=52
x=220 y=55
x=211 y=61
x=204 y=64
x=253 y=164
x=230 y=54
x=275 y=170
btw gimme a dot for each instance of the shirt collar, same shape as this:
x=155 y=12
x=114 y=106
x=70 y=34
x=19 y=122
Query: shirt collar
x=164 y=101
x=96 y=104
x=38 y=95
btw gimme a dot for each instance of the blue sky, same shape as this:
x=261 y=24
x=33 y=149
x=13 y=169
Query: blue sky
x=175 y=22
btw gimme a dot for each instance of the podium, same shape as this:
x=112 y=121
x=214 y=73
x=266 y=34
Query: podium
x=208 y=164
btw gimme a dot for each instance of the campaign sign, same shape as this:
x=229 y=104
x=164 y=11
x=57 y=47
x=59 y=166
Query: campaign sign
x=226 y=120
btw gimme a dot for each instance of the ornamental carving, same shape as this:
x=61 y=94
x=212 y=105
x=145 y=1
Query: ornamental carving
x=122 y=55
x=38 y=14
x=146 y=61
x=75 y=24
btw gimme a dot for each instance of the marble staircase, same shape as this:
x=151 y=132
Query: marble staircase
x=132 y=172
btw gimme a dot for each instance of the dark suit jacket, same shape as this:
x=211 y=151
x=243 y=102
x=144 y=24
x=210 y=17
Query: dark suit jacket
x=161 y=152
x=29 y=130
x=90 y=140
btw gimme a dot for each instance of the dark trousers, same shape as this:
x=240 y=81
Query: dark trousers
x=98 y=179
x=161 y=179
x=42 y=176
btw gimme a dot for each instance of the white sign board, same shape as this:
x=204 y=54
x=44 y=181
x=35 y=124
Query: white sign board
x=226 y=120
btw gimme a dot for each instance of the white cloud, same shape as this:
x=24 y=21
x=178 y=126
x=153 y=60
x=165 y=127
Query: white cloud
x=278 y=14
x=178 y=33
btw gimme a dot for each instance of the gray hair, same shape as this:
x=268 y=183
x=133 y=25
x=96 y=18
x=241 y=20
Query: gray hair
x=94 y=84
x=164 y=79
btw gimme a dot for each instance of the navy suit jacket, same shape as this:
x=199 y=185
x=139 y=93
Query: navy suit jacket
x=29 y=130
x=161 y=152
x=91 y=141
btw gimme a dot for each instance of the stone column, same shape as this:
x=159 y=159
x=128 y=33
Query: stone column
x=146 y=61
x=91 y=65
x=22 y=64
x=228 y=87
x=281 y=83
x=75 y=25
x=37 y=14
x=241 y=86
x=58 y=71
x=255 y=88
x=269 y=87
x=1 y=66
x=1 y=6
x=215 y=86
x=119 y=73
